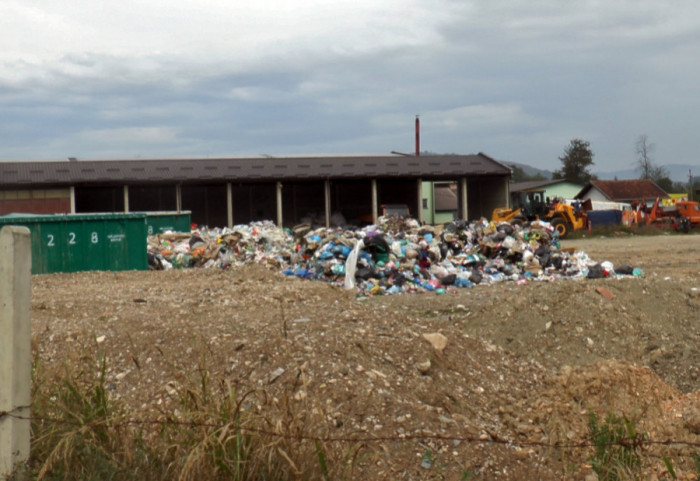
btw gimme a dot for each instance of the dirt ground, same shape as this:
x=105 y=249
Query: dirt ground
x=522 y=365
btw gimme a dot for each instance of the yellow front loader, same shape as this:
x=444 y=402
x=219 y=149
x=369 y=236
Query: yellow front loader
x=531 y=205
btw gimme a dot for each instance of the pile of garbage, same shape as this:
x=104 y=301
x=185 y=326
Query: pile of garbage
x=395 y=256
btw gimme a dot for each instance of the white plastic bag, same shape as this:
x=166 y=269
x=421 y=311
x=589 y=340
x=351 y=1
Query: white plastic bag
x=351 y=264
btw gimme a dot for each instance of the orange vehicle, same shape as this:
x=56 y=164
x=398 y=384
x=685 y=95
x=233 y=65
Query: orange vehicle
x=690 y=210
x=682 y=215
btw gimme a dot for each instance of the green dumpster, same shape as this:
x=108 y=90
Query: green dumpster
x=166 y=221
x=84 y=242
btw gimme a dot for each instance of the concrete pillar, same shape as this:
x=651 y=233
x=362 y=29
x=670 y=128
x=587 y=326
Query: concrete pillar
x=15 y=347
x=126 y=198
x=229 y=204
x=420 y=201
x=327 y=200
x=464 y=207
x=279 y=204
x=178 y=197
x=375 y=216
x=72 y=199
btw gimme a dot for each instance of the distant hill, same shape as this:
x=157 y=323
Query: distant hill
x=677 y=173
x=530 y=170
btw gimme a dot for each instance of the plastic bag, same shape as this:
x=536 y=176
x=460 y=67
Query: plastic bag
x=351 y=265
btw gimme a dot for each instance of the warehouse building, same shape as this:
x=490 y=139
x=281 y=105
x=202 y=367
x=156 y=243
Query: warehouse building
x=228 y=191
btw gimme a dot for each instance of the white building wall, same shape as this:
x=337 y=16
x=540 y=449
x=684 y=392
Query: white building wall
x=595 y=195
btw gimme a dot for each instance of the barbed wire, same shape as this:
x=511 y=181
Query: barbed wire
x=489 y=439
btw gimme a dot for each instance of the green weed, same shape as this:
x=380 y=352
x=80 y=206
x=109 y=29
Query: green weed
x=669 y=467
x=73 y=425
x=617 y=447
x=322 y=460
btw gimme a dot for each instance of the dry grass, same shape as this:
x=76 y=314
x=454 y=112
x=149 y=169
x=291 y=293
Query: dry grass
x=622 y=231
x=210 y=431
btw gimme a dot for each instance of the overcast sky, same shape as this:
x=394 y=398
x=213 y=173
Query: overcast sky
x=515 y=79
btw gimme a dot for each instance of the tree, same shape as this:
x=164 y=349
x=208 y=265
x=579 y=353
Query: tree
x=644 y=159
x=661 y=177
x=645 y=164
x=577 y=158
x=666 y=184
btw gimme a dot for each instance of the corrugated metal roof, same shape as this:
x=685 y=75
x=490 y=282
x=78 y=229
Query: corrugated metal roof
x=536 y=184
x=246 y=169
x=625 y=190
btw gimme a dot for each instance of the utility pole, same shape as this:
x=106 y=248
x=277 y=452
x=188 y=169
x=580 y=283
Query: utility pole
x=690 y=185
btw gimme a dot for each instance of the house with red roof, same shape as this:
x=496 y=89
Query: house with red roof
x=621 y=191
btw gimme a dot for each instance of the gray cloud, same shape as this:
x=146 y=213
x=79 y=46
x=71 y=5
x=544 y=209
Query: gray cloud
x=514 y=79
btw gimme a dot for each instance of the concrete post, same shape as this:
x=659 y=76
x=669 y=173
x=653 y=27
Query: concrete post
x=15 y=347
x=375 y=214
x=126 y=198
x=279 y=204
x=419 y=214
x=229 y=204
x=178 y=197
x=327 y=201
x=72 y=199
x=464 y=207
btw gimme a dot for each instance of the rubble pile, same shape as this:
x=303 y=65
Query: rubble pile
x=396 y=255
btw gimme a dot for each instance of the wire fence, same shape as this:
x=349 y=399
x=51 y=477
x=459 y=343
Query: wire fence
x=637 y=441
